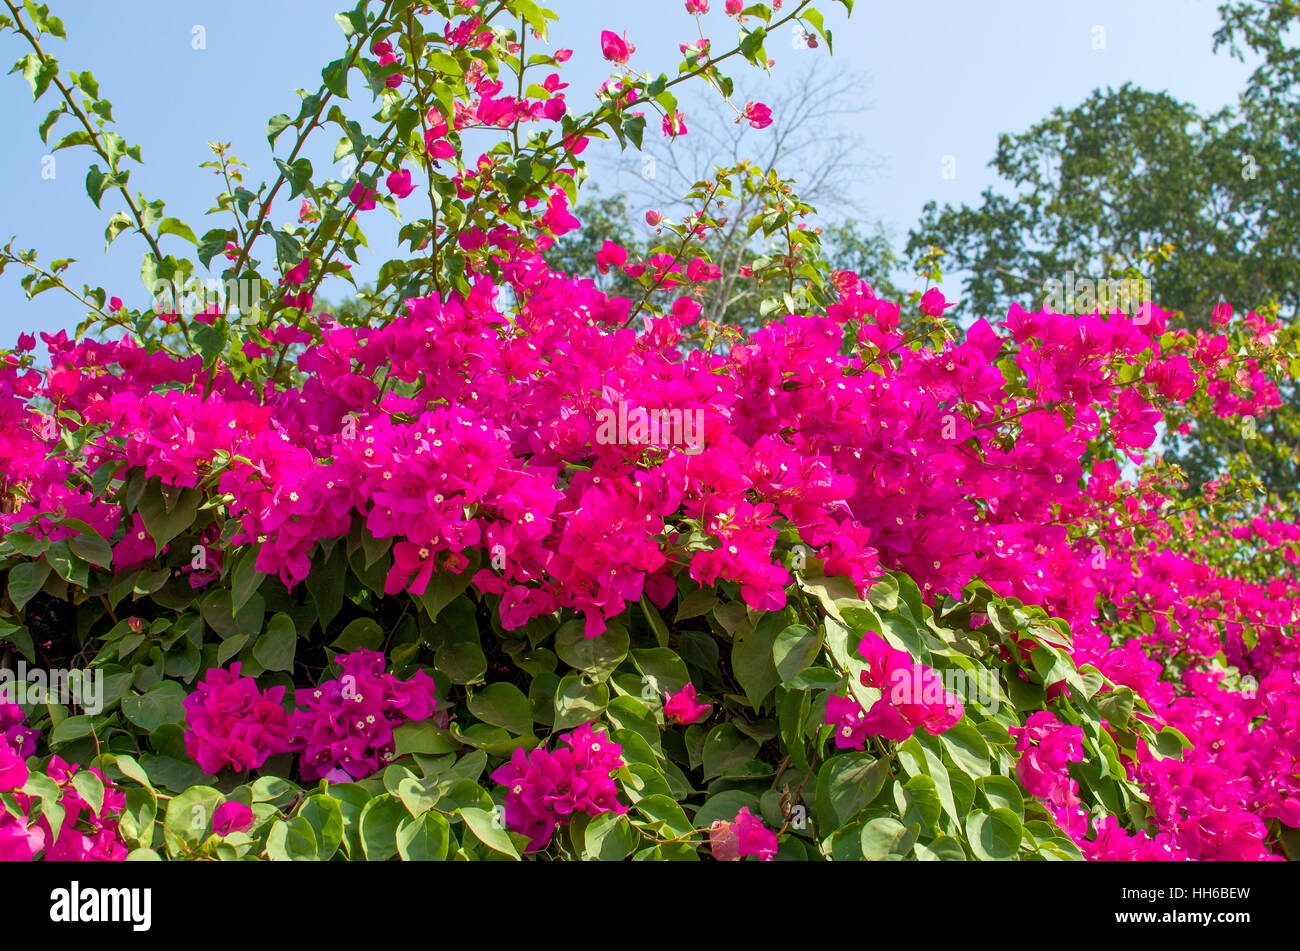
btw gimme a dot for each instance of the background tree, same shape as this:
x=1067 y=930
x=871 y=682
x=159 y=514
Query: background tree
x=1134 y=183
x=811 y=138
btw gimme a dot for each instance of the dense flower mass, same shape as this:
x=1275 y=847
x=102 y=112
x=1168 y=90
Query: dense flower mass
x=498 y=450
x=900 y=466
x=343 y=727
x=545 y=788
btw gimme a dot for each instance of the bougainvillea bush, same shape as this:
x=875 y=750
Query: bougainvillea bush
x=491 y=565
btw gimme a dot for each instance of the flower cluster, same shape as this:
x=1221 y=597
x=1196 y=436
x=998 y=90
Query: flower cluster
x=912 y=696
x=546 y=788
x=744 y=835
x=230 y=722
x=1047 y=747
x=17 y=742
x=86 y=832
x=344 y=727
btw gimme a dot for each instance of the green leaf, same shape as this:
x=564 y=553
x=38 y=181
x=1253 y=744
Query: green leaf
x=967 y=748
x=132 y=770
x=48 y=791
x=942 y=849
x=189 y=818
x=326 y=584
x=577 y=702
x=291 y=840
x=325 y=816
x=1117 y=707
x=245 y=579
x=275 y=649
x=726 y=747
x=423 y=737
x=26 y=579
x=725 y=806
x=77 y=137
x=610 y=837
x=163 y=521
x=116 y=225
x=378 y=827
x=177 y=227
x=1171 y=742
x=794 y=649
x=851 y=781
x=462 y=661
x=886 y=836
x=90 y=788
x=482 y=824
x=751 y=656
x=994 y=836
x=425 y=839
x=275 y=125
x=136 y=822
x=48 y=122
x=597 y=656
x=503 y=705
x=162 y=703
x=656 y=622
x=663 y=671
x=362 y=633
x=446 y=586
x=1003 y=793
x=92 y=548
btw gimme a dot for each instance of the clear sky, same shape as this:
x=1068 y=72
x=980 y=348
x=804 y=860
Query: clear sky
x=945 y=77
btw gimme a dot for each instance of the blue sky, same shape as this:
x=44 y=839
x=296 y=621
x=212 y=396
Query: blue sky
x=945 y=78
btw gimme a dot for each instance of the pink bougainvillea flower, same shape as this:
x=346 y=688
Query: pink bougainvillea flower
x=231 y=817
x=298 y=273
x=544 y=788
x=610 y=255
x=912 y=696
x=681 y=707
x=933 y=303
x=399 y=183
x=745 y=835
x=412 y=568
x=302 y=300
x=344 y=727
x=758 y=115
x=362 y=197
x=13 y=769
x=230 y=722
x=674 y=125
x=615 y=48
